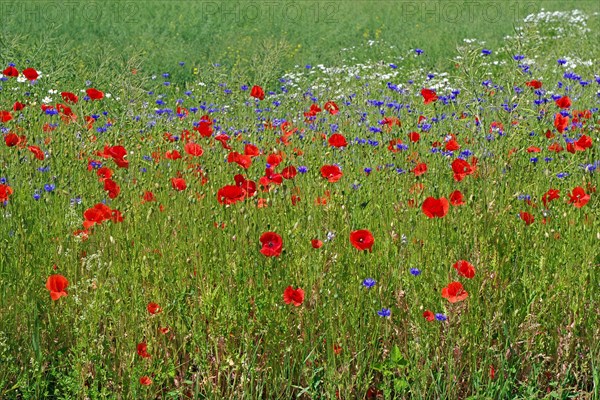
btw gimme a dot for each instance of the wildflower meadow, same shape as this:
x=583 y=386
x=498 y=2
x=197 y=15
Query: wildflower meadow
x=409 y=219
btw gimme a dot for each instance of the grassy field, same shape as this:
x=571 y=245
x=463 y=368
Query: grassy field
x=365 y=202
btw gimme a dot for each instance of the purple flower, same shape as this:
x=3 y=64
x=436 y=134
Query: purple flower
x=384 y=312
x=369 y=283
x=440 y=317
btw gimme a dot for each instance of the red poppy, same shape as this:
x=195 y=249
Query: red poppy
x=153 y=308
x=248 y=186
x=69 y=97
x=362 y=239
x=172 y=155
x=584 y=142
x=527 y=217
x=94 y=94
x=454 y=292
x=332 y=173
x=331 y=107
x=428 y=315
x=37 y=152
x=271 y=244
x=18 y=106
x=294 y=296
x=564 y=102
x=251 y=150
x=148 y=196
x=456 y=198
x=145 y=380
x=533 y=149
x=461 y=169
x=223 y=139
x=5 y=116
x=316 y=243
x=464 y=268
x=31 y=74
x=578 y=197
x=420 y=169
x=555 y=147
x=393 y=145
x=274 y=160
x=204 y=128
x=429 y=96
x=560 y=122
x=57 y=284
x=534 y=84
x=337 y=140
x=452 y=145
x=142 y=350
x=289 y=172
x=230 y=194
x=112 y=188
x=178 y=184
x=414 y=137
x=257 y=92
x=11 y=72
x=104 y=173
x=5 y=192
x=96 y=215
x=242 y=160
x=550 y=195
x=433 y=207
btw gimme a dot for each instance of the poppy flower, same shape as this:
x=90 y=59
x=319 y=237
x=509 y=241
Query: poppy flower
x=550 y=195
x=145 y=380
x=578 y=197
x=456 y=198
x=332 y=107
x=172 y=155
x=11 y=72
x=428 y=315
x=230 y=194
x=433 y=207
x=316 y=243
x=454 y=292
x=57 y=284
x=289 y=172
x=332 y=173
x=584 y=142
x=5 y=116
x=112 y=188
x=204 y=128
x=37 y=152
x=248 y=186
x=257 y=92
x=294 y=296
x=461 y=169
x=337 y=140
x=242 y=160
x=142 y=350
x=429 y=96
x=464 y=268
x=452 y=145
x=563 y=102
x=560 y=122
x=362 y=239
x=420 y=169
x=5 y=192
x=193 y=149
x=148 y=196
x=271 y=244
x=18 y=106
x=534 y=84
x=94 y=94
x=69 y=97
x=31 y=74
x=527 y=217
x=104 y=173
x=178 y=184
x=414 y=137
x=251 y=150
x=153 y=308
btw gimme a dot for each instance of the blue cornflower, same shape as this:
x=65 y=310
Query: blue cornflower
x=561 y=61
x=394 y=66
x=36 y=195
x=76 y=200
x=369 y=283
x=181 y=63
x=486 y=52
x=308 y=66
x=533 y=159
x=562 y=175
x=302 y=169
x=165 y=75
x=418 y=51
x=368 y=170
x=415 y=271
x=48 y=187
x=518 y=57
x=384 y=312
x=440 y=317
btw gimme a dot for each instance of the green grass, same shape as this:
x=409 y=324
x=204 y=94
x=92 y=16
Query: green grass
x=533 y=304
